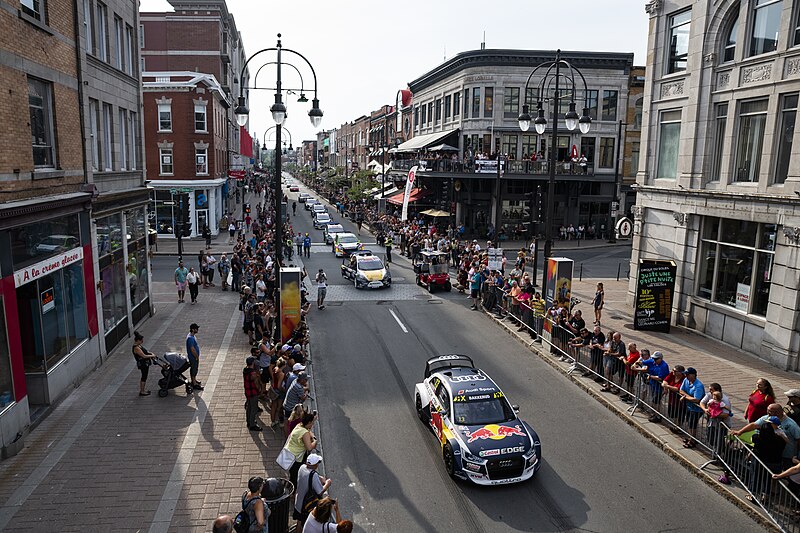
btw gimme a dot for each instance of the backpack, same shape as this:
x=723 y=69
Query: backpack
x=241 y=524
x=311 y=499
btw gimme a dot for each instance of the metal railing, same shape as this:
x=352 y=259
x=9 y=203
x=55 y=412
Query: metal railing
x=712 y=437
x=474 y=166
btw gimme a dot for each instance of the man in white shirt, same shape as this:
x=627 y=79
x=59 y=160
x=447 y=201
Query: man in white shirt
x=322 y=288
x=308 y=477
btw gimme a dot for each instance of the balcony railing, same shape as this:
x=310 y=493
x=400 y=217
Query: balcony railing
x=489 y=167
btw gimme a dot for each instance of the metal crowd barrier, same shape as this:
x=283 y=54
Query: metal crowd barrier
x=733 y=456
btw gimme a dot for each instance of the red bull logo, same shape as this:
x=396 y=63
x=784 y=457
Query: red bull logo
x=495 y=432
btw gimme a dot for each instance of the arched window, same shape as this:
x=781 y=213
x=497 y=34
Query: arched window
x=729 y=46
x=637 y=114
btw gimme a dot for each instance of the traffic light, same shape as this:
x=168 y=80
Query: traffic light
x=186 y=223
x=247 y=208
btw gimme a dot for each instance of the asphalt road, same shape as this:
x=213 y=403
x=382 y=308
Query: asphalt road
x=598 y=474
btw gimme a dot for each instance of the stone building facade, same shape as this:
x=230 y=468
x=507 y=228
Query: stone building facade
x=718 y=190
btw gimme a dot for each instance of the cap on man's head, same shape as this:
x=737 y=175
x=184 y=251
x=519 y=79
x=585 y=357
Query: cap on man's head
x=793 y=393
x=302 y=376
x=298 y=347
x=250 y=360
x=775 y=420
x=314 y=459
x=297 y=367
x=286 y=347
x=658 y=355
x=691 y=370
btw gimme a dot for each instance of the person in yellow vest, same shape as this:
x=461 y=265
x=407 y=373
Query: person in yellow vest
x=538 y=308
x=389 y=243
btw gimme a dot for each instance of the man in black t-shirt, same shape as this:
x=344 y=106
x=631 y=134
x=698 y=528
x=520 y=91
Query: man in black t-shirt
x=597 y=341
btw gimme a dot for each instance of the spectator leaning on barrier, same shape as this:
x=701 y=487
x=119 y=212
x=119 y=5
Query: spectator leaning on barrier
x=792 y=408
x=788 y=425
x=657 y=369
x=759 y=400
x=630 y=374
x=672 y=383
x=613 y=353
x=596 y=342
x=692 y=391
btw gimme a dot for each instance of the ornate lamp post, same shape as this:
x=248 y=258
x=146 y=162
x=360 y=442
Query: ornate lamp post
x=278 y=110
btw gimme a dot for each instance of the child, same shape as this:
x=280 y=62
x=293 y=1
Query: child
x=715 y=406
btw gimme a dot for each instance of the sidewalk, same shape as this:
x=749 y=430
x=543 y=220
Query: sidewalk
x=107 y=459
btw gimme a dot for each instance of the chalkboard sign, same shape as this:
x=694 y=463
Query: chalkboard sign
x=654 y=289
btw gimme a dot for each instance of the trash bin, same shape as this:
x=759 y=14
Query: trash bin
x=277 y=493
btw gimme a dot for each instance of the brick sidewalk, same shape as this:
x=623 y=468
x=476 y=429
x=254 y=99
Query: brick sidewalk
x=734 y=369
x=107 y=459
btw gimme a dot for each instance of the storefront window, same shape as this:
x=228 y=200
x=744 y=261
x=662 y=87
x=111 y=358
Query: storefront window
x=34 y=242
x=164 y=205
x=109 y=234
x=736 y=260
x=6 y=385
x=52 y=316
x=113 y=280
x=137 y=256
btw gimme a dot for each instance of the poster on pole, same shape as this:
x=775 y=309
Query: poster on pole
x=655 y=287
x=495 y=259
x=557 y=287
x=412 y=174
x=290 y=301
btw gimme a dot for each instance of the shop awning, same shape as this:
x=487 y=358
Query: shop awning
x=420 y=142
x=389 y=192
x=416 y=194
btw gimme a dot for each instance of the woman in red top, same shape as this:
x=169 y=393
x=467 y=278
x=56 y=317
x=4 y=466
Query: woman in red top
x=630 y=373
x=759 y=400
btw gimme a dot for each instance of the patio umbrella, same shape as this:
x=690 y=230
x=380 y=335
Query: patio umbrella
x=435 y=213
x=443 y=148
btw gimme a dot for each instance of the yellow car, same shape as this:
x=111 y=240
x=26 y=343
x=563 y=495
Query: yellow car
x=366 y=271
x=346 y=243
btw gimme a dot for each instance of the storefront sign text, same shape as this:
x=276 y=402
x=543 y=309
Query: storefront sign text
x=48 y=300
x=43 y=268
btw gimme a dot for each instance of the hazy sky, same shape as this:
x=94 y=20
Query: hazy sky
x=364 y=51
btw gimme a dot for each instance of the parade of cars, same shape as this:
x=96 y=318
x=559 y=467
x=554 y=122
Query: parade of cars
x=366 y=271
x=481 y=437
x=345 y=243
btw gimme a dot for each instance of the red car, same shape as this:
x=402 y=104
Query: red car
x=432 y=271
x=294 y=188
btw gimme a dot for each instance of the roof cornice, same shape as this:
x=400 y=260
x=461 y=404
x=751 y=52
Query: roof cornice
x=519 y=58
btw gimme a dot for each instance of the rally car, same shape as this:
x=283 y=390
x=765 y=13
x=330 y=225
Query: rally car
x=302 y=197
x=330 y=231
x=366 y=271
x=346 y=243
x=294 y=188
x=482 y=438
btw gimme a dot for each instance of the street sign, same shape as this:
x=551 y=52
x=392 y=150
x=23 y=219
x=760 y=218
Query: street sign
x=495 y=258
x=186 y=189
x=169 y=203
x=615 y=206
x=624 y=227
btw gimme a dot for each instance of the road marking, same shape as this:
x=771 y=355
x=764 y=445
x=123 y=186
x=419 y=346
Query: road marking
x=21 y=494
x=174 y=487
x=398 y=321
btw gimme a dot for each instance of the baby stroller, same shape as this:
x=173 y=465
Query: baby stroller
x=172 y=367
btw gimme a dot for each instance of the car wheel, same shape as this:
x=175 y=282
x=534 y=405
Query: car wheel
x=355 y=283
x=419 y=281
x=420 y=412
x=448 y=286
x=430 y=287
x=449 y=461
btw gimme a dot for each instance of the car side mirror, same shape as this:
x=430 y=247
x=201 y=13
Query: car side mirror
x=515 y=408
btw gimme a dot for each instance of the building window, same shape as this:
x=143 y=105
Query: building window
x=456 y=104
x=119 y=37
x=416 y=117
x=422 y=114
x=438 y=111
x=720 y=121
x=40 y=109
x=447 y=108
x=123 y=140
x=6 y=383
x=509 y=145
x=430 y=112
x=606 y=153
x=785 y=136
x=201 y=161
x=678 y=41
x=164 y=117
x=466 y=103
x=89 y=23
x=766 y=26
x=200 y=119
x=736 y=258
x=141 y=36
x=668 y=142
x=637 y=114
x=531 y=99
x=133 y=131
x=511 y=102
x=587 y=149
x=165 y=161
x=108 y=137
x=729 y=49
x=488 y=102
x=592 y=100
x=634 y=158
x=94 y=126
x=752 y=124
x=131 y=51
x=609 y=105
x=102 y=31
x=33 y=8
x=796 y=40
x=528 y=145
x=476 y=102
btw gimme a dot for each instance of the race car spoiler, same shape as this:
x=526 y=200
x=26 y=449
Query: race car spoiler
x=447 y=361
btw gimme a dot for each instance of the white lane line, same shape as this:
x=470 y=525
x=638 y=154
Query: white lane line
x=398 y=321
x=21 y=494
x=172 y=492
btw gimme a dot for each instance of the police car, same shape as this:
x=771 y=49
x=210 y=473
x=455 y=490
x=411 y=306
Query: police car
x=482 y=438
x=366 y=271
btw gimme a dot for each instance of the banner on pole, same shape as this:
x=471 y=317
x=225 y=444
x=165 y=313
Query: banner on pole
x=290 y=301
x=412 y=174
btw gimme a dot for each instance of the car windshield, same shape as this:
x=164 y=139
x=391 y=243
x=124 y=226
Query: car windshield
x=371 y=264
x=322 y=217
x=480 y=412
x=348 y=239
x=438 y=268
x=335 y=229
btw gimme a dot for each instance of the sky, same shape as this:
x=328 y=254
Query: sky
x=364 y=51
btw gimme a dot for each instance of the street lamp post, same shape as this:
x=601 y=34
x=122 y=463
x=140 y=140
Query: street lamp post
x=553 y=75
x=612 y=219
x=278 y=110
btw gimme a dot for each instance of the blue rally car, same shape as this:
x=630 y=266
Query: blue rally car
x=482 y=438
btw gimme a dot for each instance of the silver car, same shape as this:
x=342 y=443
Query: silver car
x=329 y=232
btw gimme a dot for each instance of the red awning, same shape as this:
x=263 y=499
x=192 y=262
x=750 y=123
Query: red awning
x=415 y=195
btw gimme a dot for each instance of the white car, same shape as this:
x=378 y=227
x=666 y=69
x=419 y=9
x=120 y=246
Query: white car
x=311 y=202
x=346 y=243
x=322 y=220
x=329 y=232
x=318 y=208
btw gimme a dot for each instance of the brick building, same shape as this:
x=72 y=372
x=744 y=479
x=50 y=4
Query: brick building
x=201 y=36
x=47 y=285
x=186 y=140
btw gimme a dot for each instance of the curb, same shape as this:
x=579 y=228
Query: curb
x=712 y=482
